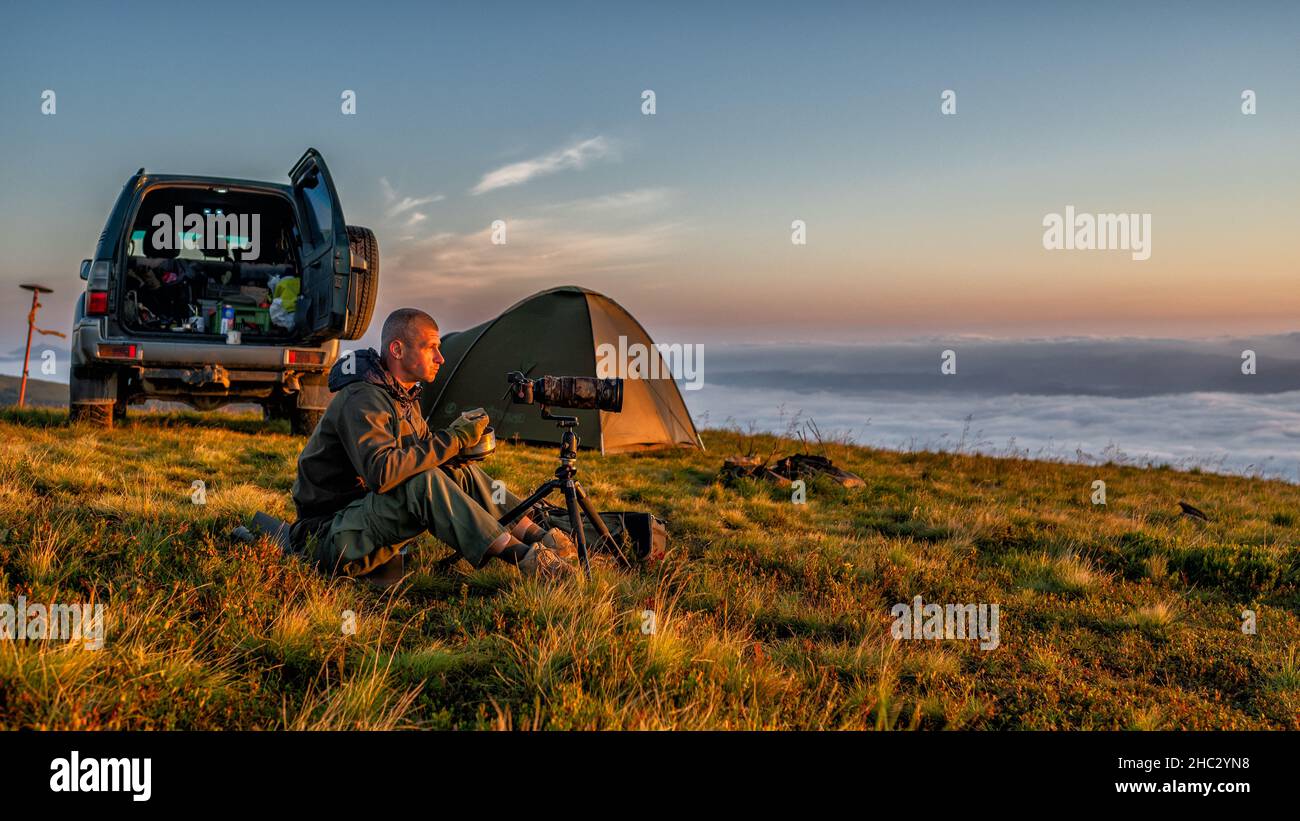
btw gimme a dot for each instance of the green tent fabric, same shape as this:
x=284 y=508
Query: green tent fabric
x=556 y=333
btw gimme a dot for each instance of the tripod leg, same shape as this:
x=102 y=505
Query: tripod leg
x=596 y=521
x=575 y=516
x=522 y=508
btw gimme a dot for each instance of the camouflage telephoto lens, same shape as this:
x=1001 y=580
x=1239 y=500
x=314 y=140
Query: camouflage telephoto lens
x=580 y=392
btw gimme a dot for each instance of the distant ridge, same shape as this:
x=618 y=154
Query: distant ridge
x=40 y=393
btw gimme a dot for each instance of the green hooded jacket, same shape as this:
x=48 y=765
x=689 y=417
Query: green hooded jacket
x=370 y=439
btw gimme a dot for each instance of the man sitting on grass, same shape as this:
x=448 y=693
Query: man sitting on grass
x=372 y=477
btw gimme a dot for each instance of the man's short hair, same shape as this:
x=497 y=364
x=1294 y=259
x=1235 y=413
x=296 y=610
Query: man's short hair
x=400 y=323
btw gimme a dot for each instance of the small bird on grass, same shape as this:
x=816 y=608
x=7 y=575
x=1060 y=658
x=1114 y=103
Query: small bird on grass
x=1188 y=510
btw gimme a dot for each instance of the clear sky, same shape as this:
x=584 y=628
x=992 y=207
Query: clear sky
x=918 y=224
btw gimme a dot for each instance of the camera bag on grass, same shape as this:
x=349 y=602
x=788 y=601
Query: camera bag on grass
x=638 y=536
x=786 y=470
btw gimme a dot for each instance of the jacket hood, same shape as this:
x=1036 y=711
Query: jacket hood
x=366 y=366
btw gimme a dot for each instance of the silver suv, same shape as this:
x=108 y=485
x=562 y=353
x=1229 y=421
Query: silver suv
x=211 y=291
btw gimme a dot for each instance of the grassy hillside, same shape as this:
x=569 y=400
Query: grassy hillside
x=40 y=392
x=769 y=614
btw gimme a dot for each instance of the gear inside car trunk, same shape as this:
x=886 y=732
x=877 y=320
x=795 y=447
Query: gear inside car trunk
x=203 y=261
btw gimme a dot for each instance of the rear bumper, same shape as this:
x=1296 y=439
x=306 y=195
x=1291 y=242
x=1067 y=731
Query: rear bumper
x=151 y=352
x=202 y=372
x=213 y=382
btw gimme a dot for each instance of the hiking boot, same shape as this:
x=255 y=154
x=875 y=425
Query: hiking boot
x=560 y=542
x=387 y=574
x=542 y=562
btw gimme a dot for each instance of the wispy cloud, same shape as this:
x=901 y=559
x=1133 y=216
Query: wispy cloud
x=397 y=205
x=640 y=199
x=601 y=241
x=576 y=155
x=538 y=249
x=471 y=277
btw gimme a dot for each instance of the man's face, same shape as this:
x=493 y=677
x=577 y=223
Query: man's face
x=417 y=357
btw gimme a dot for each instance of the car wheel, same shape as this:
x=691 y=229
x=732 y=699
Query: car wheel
x=364 y=249
x=302 y=421
x=93 y=414
x=92 y=398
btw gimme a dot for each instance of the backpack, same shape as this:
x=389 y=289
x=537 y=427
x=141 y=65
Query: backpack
x=638 y=536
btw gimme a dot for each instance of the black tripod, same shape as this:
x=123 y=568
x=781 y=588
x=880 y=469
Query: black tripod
x=574 y=496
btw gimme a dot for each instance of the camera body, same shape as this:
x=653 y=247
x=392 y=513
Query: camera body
x=578 y=392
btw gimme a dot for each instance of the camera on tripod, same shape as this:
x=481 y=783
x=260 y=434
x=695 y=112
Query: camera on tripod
x=577 y=392
x=580 y=393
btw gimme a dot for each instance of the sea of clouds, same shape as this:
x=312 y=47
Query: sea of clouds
x=1181 y=403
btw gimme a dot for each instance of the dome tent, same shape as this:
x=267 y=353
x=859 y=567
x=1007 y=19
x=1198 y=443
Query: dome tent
x=556 y=333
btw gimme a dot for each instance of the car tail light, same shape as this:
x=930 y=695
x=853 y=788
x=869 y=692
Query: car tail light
x=96 y=302
x=117 y=351
x=306 y=357
x=97 y=279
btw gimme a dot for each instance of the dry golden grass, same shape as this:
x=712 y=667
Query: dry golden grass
x=768 y=614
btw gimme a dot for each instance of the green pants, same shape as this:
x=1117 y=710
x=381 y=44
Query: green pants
x=454 y=504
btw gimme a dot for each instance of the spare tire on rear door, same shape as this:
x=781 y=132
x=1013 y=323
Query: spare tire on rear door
x=365 y=280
